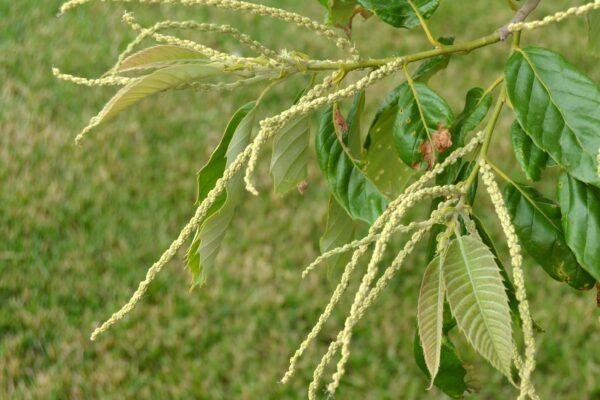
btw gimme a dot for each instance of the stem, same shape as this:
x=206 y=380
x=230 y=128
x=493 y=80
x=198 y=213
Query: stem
x=458 y=48
x=430 y=37
x=520 y=16
x=489 y=130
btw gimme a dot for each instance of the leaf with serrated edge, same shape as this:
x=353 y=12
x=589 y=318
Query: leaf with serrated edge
x=430 y=315
x=420 y=113
x=537 y=222
x=558 y=107
x=208 y=238
x=399 y=13
x=478 y=301
x=155 y=55
x=155 y=82
x=580 y=206
x=290 y=154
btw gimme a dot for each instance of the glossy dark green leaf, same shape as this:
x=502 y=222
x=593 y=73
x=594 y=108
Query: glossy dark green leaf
x=207 y=240
x=531 y=158
x=347 y=182
x=580 y=206
x=384 y=166
x=558 y=107
x=537 y=221
x=433 y=65
x=354 y=138
x=339 y=230
x=450 y=378
x=420 y=114
x=399 y=13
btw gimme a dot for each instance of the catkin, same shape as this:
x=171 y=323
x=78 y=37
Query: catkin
x=519 y=279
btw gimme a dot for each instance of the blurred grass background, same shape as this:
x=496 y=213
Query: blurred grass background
x=80 y=225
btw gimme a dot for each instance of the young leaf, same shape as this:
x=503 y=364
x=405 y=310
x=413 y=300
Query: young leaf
x=384 y=166
x=531 y=158
x=558 y=107
x=399 y=13
x=430 y=315
x=478 y=301
x=537 y=221
x=450 y=378
x=154 y=56
x=420 y=114
x=580 y=206
x=347 y=182
x=340 y=12
x=339 y=230
x=433 y=65
x=290 y=154
x=155 y=82
x=209 y=236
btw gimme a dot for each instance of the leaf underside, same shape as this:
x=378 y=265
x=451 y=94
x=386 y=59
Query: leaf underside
x=478 y=300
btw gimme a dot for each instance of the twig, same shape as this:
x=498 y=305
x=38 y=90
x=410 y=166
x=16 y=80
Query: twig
x=520 y=16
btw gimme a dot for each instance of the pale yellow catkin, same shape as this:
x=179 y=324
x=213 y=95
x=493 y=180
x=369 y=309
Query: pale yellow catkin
x=106 y=81
x=358 y=253
x=185 y=233
x=363 y=300
x=244 y=7
x=556 y=17
x=518 y=276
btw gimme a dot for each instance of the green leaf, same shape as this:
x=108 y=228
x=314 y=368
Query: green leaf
x=580 y=205
x=289 y=159
x=450 y=378
x=430 y=315
x=531 y=158
x=433 y=65
x=558 y=107
x=354 y=139
x=157 y=81
x=420 y=113
x=339 y=230
x=593 y=20
x=478 y=300
x=399 y=13
x=384 y=166
x=155 y=56
x=477 y=106
x=339 y=12
x=537 y=221
x=347 y=182
x=208 y=237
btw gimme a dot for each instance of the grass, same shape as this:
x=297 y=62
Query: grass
x=79 y=226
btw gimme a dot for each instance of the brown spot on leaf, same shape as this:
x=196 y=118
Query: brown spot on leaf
x=340 y=122
x=302 y=186
x=427 y=152
x=442 y=139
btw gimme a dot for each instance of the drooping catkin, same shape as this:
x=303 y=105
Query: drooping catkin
x=451 y=192
x=556 y=17
x=106 y=81
x=245 y=7
x=518 y=276
x=359 y=252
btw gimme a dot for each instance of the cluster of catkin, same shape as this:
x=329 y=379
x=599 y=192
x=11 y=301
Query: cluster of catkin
x=271 y=65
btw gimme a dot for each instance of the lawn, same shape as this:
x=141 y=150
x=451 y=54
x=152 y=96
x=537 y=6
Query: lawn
x=79 y=226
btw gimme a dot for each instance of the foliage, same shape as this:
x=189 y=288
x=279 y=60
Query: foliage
x=557 y=117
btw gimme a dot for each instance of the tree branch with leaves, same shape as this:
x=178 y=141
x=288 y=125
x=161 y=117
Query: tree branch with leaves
x=416 y=150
